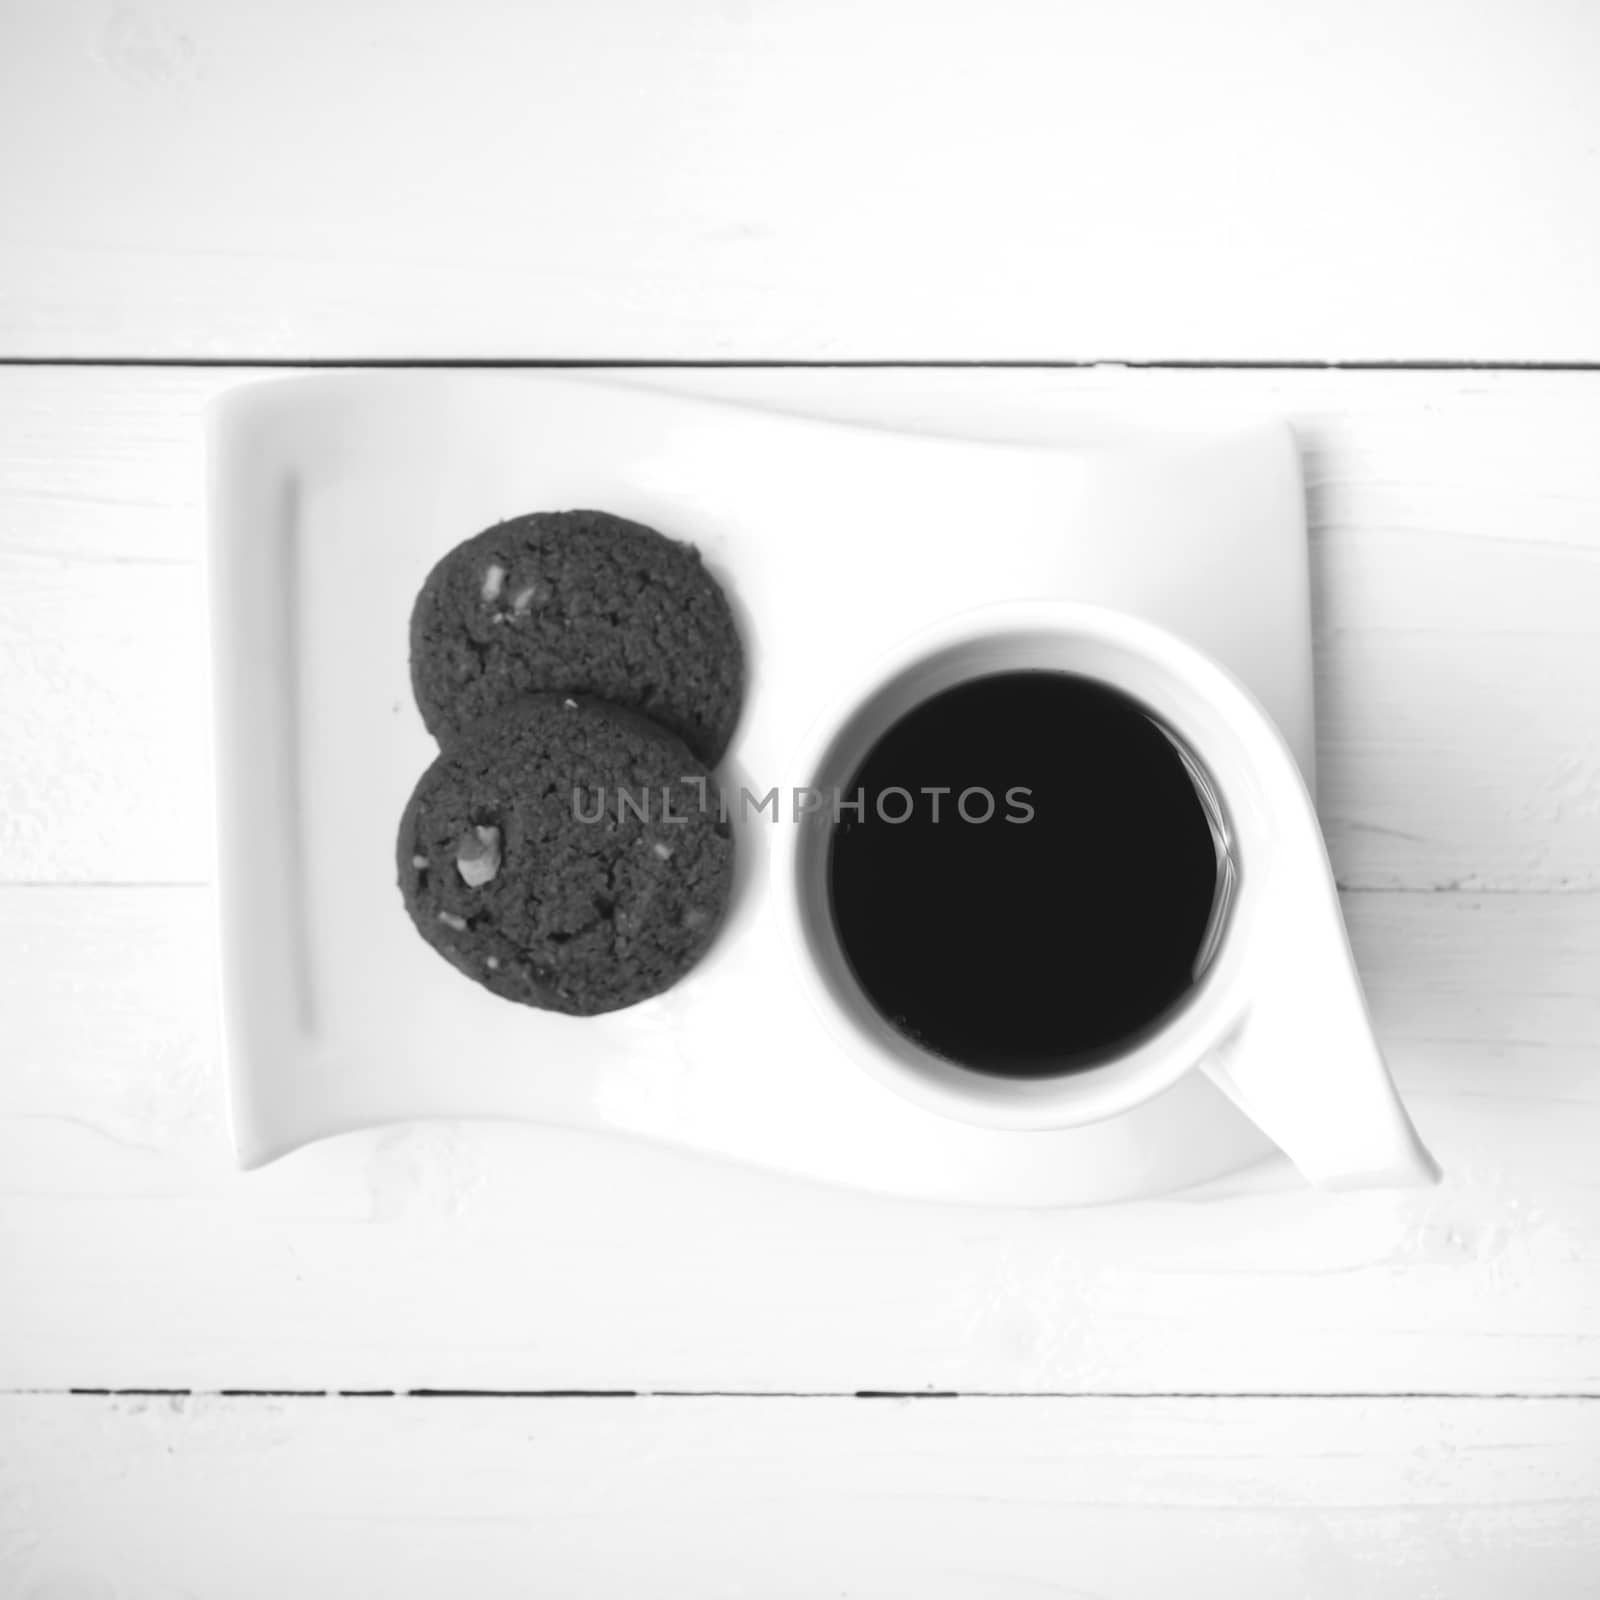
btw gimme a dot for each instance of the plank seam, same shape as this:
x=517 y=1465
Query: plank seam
x=560 y=363
x=803 y=1394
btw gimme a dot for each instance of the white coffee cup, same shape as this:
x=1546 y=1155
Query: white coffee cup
x=1276 y=1017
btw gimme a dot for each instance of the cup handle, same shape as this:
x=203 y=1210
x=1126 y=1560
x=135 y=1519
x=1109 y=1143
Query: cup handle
x=1303 y=1064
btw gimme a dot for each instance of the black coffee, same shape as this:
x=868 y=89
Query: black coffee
x=1031 y=883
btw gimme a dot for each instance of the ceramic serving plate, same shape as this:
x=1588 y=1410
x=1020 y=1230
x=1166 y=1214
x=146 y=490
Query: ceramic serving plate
x=332 y=497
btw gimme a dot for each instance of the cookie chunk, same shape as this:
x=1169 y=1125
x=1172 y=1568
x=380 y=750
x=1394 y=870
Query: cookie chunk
x=577 y=602
x=568 y=855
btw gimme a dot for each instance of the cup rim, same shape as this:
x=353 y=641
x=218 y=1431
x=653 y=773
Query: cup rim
x=1207 y=1015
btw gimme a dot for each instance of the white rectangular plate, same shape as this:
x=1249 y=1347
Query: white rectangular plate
x=331 y=499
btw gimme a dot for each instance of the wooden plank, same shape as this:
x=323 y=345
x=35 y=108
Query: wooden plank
x=1455 y=526
x=104 y=770
x=503 y=1257
x=891 y=178
x=962 y=1498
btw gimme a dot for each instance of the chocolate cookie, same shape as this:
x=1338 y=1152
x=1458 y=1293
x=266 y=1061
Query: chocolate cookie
x=577 y=602
x=567 y=855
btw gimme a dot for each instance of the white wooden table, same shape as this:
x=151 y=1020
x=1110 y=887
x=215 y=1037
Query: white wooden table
x=502 y=1361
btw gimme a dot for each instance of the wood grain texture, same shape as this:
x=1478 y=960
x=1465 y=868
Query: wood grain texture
x=1456 y=541
x=744 y=178
x=504 y=1257
x=953 y=1500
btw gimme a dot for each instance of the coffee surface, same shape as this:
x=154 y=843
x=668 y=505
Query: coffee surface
x=1044 y=897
